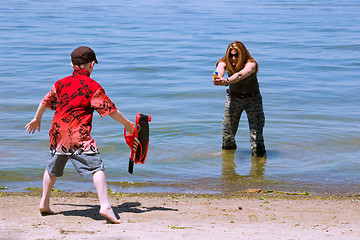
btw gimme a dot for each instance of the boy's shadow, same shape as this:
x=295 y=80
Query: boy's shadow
x=135 y=207
x=92 y=211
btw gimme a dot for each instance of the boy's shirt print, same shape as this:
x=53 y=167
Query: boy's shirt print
x=74 y=99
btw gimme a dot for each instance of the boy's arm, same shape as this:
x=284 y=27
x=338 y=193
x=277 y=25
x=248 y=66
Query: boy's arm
x=117 y=116
x=35 y=123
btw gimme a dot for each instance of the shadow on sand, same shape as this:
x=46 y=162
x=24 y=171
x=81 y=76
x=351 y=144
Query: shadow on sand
x=92 y=211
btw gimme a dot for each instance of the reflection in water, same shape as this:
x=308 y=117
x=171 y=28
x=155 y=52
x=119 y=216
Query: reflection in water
x=229 y=175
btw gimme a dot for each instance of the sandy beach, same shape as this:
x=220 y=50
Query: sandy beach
x=176 y=216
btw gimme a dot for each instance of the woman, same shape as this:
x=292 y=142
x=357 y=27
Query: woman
x=243 y=94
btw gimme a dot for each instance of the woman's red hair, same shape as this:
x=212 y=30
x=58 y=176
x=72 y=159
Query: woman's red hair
x=243 y=58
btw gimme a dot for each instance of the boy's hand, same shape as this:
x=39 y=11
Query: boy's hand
x=33 y=125
x=130 y=127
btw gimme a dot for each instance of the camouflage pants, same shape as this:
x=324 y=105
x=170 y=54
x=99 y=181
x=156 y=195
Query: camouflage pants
x=256 y=118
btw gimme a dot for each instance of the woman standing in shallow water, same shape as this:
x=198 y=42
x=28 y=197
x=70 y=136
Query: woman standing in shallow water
x=243 y=94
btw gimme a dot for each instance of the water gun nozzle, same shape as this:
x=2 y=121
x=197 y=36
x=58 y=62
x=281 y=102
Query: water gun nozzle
x=215 y=74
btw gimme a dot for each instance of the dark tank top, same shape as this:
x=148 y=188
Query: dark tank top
x=247 y=85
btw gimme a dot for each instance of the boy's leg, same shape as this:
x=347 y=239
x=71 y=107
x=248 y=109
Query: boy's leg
x=53 y=170
x=102 y=191
x=48 y=183
x=92 y=163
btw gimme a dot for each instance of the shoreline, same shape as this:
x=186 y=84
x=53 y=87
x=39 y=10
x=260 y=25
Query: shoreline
x=229 y=189
x=248 y=193
x=208 y=189
x=242 y=215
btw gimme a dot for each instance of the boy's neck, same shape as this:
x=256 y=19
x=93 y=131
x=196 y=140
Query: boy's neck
x=88 y=66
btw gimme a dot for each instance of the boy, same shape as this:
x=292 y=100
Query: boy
x=74 y=99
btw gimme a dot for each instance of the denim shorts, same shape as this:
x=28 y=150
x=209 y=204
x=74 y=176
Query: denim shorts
x=83 y=163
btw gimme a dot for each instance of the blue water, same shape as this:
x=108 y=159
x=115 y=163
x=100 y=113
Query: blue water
x=157 y=57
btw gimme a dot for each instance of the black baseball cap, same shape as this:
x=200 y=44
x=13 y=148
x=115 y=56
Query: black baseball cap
x=83 y=55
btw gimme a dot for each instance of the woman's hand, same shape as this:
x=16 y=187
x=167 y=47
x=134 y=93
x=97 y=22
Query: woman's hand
x=220 y=81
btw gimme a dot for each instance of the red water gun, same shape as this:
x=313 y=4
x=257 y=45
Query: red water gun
x=139 y=141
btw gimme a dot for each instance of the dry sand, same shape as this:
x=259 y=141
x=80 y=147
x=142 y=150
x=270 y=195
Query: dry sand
x=176 y=216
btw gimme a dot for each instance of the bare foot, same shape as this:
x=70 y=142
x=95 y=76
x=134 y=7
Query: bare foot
x=45 y=212
x=109 y=213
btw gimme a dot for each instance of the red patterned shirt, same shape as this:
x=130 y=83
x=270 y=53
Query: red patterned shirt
x=74 y=99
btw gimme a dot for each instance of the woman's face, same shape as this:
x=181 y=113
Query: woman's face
x=234 y=55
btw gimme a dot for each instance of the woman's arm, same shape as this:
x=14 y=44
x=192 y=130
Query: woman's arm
x=249 y=69
x=117 y=116
x=35 y=123
x=220 y=68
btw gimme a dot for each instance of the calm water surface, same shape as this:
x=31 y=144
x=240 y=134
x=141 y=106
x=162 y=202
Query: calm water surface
x=157 y=57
